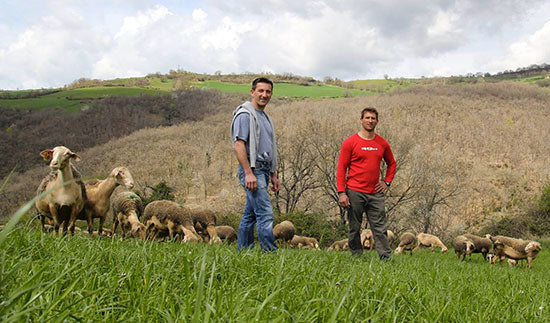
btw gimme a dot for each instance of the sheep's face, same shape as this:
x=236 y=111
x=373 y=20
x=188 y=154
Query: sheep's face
x=138 y=230
x=123 y=177
x=59 y=157
x=399 y=250
x=469 y=247
x=444 y=250
x=533 y=248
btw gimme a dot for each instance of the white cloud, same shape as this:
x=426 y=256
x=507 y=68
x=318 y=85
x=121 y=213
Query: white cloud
x=349 y=39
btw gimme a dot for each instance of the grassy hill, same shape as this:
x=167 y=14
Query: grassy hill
x=482 y=146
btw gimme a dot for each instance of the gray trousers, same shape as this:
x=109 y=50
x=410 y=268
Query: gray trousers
x=373 y=206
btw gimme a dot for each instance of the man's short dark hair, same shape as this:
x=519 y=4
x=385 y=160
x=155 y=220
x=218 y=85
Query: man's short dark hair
x=371 y=110
x=261 y=80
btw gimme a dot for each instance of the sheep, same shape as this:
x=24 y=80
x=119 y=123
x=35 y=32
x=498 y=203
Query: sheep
x=65 y=197
x=407 y=242
x=340 y=245
x=226 y=233
x=304 y=242
x=205 y=223
x=127 y=208
x=98 y=196
x=463 y=246
x=367 y=238
x=516 y=249
x=429 y=240
x=481 y=245
x=164 y=215
x=284 y=231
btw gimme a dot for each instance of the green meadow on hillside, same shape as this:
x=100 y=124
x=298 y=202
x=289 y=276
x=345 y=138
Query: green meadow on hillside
x=73 y=100
x=288 y=90
x=45 y=278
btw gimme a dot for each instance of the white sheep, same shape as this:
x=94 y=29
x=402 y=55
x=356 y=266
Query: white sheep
x=367 y=238
x=98 y=196
x=429 y=241
x=64 y=199
x=516 y=249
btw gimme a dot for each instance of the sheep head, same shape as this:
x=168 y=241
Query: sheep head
x=123 y=177
x=59 y=157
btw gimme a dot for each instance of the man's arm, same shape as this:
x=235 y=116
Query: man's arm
x=242 y=157
x=344 y=160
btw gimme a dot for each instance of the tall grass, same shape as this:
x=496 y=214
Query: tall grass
x=77 y=278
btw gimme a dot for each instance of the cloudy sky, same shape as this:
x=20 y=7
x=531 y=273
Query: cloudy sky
x=51 y=43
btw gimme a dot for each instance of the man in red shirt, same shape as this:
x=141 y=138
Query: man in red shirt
x=359 y=186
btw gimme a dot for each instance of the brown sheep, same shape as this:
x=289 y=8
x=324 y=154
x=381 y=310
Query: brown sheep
x=127 y=208
x=429 y=241
x=65 y=197
x=481 y=245
x=304 y=242
x=98 y=196
x=463 y=246
x=284 y=231
x=340 y=245
x=407 y=242
x=205 y=223
x=226 y=233
x=168 y=216
x=367 y=238
x=516 y=249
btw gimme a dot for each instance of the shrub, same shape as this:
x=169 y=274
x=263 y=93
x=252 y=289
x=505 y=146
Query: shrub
x=161 y=191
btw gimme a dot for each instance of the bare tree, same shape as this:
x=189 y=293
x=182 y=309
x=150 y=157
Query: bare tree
x=296 y=170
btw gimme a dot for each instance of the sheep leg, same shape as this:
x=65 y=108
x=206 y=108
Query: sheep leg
x=53 y=213
x=171 y=225
x=213 y=235
x=115 y=223
x=100 y=229
x=148 y=225
x=189 y=234
x=90 y=221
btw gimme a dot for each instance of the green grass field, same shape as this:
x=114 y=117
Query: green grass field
x=73 y=100
x=287 y=90
x=75 y=278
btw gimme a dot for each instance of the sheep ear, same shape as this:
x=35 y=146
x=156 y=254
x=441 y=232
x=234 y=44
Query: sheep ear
x=75 y=157
x=47 y=154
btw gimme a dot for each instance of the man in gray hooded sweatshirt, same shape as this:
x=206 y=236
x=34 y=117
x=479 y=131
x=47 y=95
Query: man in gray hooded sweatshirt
x=254 y=144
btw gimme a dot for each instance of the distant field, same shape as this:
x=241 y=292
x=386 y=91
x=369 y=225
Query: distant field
x=288 y=90
x=73 y=100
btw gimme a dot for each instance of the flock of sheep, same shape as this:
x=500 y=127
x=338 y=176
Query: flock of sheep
x=65 y=199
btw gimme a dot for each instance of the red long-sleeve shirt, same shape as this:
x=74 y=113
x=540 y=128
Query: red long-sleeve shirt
x=360 y=159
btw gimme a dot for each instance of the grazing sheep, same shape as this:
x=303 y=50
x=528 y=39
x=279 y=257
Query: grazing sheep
x=284 y=231
x=226 y=233
x=481 y=245
x=205 y=223
x=516 y=249
x=407 y=242
x=340 y=245
x=463 y=246
x=127 y=208
x=367 y=238
x=304 y=242
x=164 y=215
x=98 y=196
x=66 y=198
x=429 y=241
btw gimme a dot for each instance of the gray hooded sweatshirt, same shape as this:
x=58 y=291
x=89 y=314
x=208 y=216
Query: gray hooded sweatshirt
x=254 y=137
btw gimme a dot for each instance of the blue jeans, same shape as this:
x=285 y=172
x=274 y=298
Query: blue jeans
x=258 y=210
